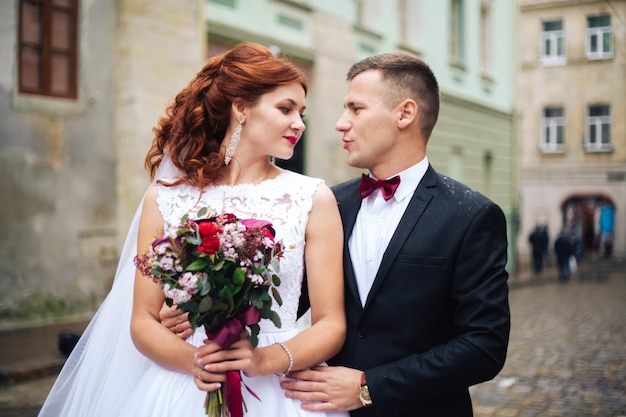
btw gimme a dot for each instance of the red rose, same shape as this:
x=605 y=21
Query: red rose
x=210 y=245
x=208 y=233
x=207 y=229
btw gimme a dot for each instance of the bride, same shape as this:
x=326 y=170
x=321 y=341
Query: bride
x=213 y=149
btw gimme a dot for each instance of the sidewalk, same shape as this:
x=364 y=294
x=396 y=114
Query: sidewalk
x=30 y=350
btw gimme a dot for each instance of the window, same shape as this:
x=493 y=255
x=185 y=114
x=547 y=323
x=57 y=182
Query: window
x=409 y=22
x=368 y=13
x=553 y=130
x=456 y=32
x=47 y=52
x=403 y=19
x=485 y=37
x=598 y=137
x=552 y=43
x=599 y=37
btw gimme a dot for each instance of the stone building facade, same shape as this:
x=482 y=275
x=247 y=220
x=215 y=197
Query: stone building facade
x=572 y=102
x=73 y=166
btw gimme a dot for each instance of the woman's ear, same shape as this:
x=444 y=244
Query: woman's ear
x=239 y=110
x=407 y=113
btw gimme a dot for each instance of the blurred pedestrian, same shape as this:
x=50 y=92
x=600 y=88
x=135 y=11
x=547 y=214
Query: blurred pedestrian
x=538 y=240
x=607 y=226
x=564 y=250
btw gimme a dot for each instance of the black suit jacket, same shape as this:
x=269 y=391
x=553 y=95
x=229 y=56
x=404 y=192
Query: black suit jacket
x=436 y=320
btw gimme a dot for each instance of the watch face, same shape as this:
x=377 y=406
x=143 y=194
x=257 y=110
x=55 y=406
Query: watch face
x=364 y=395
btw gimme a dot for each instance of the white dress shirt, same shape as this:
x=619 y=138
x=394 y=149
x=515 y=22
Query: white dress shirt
x=376 y=222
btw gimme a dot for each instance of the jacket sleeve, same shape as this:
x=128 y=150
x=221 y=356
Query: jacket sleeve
x=476 y=350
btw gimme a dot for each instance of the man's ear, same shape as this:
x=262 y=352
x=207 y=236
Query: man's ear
x=407 y=113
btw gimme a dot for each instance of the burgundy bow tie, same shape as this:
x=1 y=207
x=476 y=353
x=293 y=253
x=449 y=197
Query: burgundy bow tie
x=369 y=184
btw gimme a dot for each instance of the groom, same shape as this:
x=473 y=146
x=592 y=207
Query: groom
x=426 y=292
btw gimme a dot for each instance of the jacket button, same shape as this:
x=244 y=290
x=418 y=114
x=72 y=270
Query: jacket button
x=362 y=333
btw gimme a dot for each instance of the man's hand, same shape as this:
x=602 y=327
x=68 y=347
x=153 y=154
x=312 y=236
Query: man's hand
x=175 y=320
x=325 y=388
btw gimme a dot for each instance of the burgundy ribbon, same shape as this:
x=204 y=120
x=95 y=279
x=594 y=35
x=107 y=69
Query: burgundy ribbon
x=225 y=336
x=230 y=331
x=233 y=398
x=369 y=184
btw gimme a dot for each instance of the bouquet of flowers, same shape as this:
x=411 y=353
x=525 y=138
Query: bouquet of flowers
x=222 y=270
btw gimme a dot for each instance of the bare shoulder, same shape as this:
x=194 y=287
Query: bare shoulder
x=324 y=195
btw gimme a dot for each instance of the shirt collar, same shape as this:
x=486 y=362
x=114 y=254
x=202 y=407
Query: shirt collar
x=409 y=179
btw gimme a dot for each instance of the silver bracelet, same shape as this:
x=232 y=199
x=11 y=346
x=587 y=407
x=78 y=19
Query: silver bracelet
x=283 y=374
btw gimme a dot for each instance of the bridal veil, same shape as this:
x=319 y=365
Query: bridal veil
x=104 y=367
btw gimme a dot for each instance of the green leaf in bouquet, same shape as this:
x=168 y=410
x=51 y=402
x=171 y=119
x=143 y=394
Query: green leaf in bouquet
x=276 y=296
x=221 y=306
x=202 y=212
x=191 y=305
x=227 y=294
x=275 y=265
x=239 y=276
x=193 y=320
x=205 y=305
x=183 y=219
x=276 y=280
x=229 y=265
x=204 y=286
x=219 y=265
x=275 y=318
x=194 y=239
x=256 y=299
x=254 y=334
x=197 y=265
x=183 y=231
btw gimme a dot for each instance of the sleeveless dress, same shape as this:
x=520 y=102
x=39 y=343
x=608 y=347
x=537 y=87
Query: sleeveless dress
x=285 y=201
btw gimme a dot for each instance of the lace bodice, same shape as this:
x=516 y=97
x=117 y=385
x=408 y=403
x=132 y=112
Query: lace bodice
x=285 y=201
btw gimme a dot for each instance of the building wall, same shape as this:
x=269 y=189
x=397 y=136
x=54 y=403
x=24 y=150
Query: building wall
x=72 y=171
x=549 y=180
x=477 y=120
x=57 y=180
x=160 y=47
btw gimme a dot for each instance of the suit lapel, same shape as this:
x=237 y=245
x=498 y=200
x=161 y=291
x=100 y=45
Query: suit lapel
x=419 y=201
x=349 y=208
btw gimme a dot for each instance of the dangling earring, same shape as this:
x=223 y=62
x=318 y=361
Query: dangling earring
x=234 y=140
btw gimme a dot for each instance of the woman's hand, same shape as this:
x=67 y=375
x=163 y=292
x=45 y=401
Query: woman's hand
x=211 y=359
x=176 y=320
x=206 y=380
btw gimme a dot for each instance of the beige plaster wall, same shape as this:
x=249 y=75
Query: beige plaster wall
x=160 y=46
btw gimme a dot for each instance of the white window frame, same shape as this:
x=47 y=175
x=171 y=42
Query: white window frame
x=553 y=37
x=486 y=39
x=456 y=32
x=596 y=124
x=599 y=33
x=550 y=126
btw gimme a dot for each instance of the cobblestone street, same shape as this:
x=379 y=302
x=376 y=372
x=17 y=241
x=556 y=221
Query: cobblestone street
x=567 y=354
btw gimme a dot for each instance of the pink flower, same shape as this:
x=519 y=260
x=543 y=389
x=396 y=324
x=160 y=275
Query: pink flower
x=189 y=282
x=176 y=294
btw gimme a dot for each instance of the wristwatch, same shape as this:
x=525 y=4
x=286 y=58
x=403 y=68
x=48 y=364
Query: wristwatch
x=364 y=393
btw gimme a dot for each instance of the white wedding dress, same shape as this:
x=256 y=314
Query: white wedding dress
x=106 y=376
